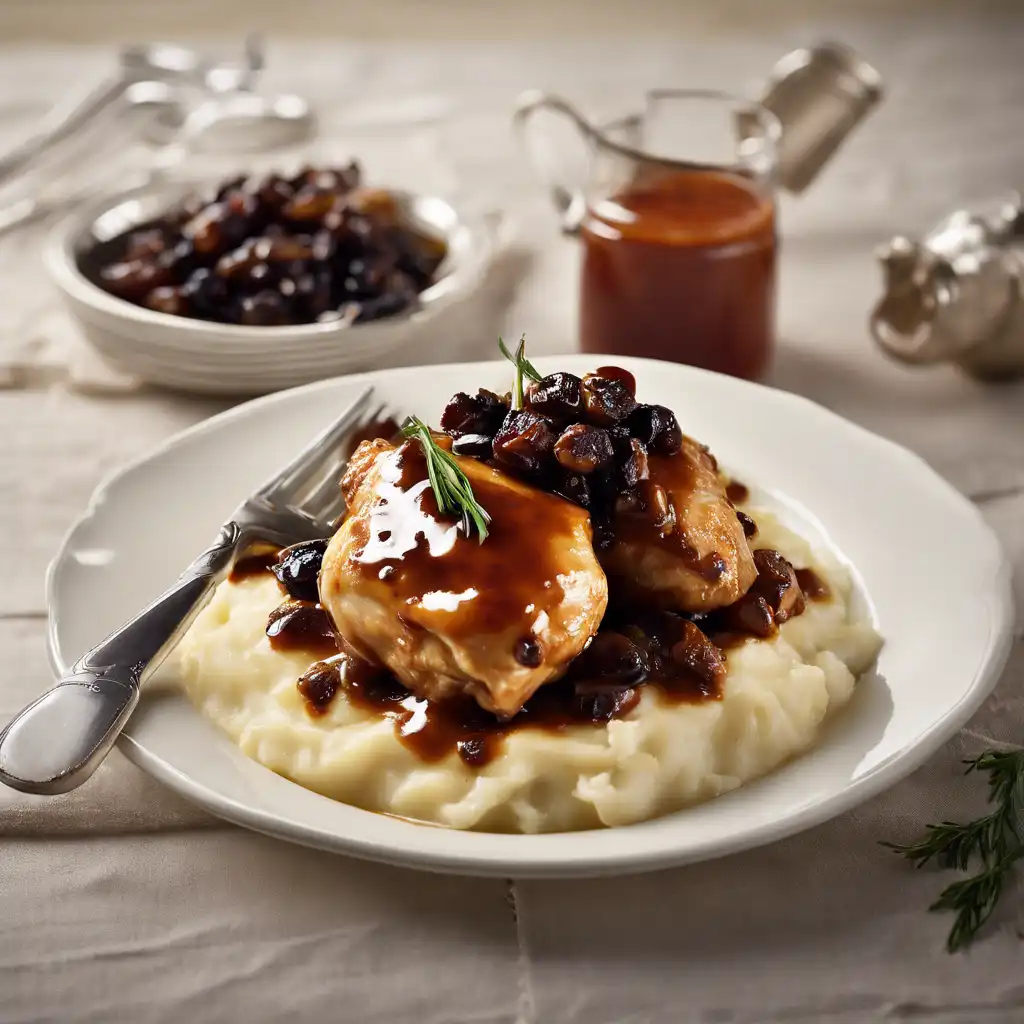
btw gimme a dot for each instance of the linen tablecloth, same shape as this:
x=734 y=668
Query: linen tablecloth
x=122 y=902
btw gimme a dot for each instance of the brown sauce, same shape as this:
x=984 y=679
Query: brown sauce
x=252 y=565
x=669 y=479
x=435 y=729
x=776 y=596
x=748 y=524
x=318 y=686
x=690 y=488
x=446 y=579
x=736 y=492
x=301 y=626
x=813 y=586
x=682 y=658
x=681 y=266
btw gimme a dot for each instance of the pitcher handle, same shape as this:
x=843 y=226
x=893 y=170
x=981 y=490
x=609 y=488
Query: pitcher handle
x=568 y=199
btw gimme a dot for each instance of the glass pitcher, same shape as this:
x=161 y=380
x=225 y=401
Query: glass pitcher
x=675 y=210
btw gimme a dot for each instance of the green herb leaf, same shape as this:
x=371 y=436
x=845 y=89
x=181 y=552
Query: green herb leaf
x=524 y=368
x=974 y=899
x=994 y=841
x=954 y=845
x=451 y=487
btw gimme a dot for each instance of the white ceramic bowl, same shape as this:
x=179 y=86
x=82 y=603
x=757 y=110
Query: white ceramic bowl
x=925 y=566
x=214 y=358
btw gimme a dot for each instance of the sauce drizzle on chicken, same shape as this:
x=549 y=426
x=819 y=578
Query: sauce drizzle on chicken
x=409 y=588
x=634 y=649
x=436 y=568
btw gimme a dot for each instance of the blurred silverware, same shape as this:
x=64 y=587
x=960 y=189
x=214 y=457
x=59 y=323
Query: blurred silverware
x=166 y=110
x=245 y=122
x=160 y=62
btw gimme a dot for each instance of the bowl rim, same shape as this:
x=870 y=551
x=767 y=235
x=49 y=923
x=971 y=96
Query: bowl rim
x=62 y=265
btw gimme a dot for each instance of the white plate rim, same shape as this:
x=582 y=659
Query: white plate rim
x=875 y=781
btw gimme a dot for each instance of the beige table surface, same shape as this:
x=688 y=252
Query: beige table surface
x=119 y=902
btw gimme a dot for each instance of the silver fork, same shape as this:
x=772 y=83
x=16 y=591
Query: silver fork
x=57 y=742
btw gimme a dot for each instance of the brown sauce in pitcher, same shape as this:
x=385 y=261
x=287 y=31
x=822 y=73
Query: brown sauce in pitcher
x=681 y=266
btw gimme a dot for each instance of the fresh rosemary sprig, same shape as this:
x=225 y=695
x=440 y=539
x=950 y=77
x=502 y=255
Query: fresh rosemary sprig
x=974 y=899
x=524 y=368
x=995 y=840
x=451 y=486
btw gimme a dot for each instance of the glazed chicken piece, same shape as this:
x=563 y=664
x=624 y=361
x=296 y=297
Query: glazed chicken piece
x=684 y=548
x=445 y=613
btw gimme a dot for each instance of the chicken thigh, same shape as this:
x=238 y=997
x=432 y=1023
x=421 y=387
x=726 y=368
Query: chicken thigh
x=684 y=548
x=408 y=589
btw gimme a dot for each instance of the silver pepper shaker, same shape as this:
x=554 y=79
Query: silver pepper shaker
x=957 y=295
x=819 y=95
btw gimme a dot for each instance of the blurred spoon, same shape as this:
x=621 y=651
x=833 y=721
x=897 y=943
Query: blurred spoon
x=152 y=63
x=245 y=122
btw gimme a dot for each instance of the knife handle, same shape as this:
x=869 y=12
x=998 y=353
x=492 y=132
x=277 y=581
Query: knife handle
x=57 y=742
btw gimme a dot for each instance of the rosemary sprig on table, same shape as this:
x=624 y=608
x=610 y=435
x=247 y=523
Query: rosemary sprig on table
x=524 y=368
x=450 y=485
x=995 y=840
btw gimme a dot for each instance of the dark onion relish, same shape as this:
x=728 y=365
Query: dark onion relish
x=298 y=569
x=585 y=439
x=314 y=248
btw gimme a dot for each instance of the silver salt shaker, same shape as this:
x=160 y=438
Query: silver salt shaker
x=957 y=295
x=819 y=94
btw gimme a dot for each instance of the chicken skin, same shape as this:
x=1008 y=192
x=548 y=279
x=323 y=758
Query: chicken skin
x=448 y=615
x=685 y=549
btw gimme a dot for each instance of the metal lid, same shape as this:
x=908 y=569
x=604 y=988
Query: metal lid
x=819 y=94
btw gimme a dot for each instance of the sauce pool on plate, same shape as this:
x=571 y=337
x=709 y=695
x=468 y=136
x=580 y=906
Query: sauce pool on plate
x=643 y=648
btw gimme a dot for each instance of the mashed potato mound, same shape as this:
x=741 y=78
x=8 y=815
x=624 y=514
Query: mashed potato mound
x=658 y=758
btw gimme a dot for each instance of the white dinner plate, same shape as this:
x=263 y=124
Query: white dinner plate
x=927 y=569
